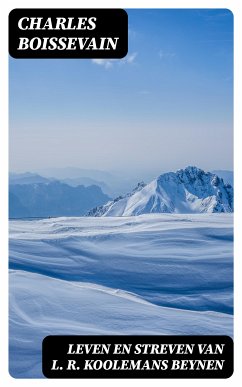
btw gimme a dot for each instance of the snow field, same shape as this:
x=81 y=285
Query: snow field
x=151 y=274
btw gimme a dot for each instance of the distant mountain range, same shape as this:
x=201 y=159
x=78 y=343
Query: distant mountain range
x=52 y=198
x=33 y=178
x=186 y=191
x=189 y=190
x=27 y=178
x=111 y=183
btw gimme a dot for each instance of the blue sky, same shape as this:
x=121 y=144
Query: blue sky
x=166 y=105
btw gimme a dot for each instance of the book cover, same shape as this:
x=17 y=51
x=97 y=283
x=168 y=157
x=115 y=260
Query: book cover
x=121 y=193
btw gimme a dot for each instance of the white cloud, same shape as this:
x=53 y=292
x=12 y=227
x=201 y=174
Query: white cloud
x=107 y=63
x=166 y=54
x=132 y=33
x=130 y=57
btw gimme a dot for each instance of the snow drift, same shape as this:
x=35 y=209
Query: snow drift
x=151 y=274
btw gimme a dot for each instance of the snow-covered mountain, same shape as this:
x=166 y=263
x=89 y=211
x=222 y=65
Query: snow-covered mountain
x=189 y=190
x=227 y=176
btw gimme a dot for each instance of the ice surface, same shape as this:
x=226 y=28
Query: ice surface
x=150 y=274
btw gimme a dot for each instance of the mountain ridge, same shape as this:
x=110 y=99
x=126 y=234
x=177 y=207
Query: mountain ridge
x=53 y=198
x=189 y=190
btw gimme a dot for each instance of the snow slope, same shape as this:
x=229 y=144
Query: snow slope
x=42 y=306
x=151 y=274
x=189 y=190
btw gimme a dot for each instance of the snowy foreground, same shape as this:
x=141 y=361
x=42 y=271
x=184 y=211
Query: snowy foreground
x=151 y=274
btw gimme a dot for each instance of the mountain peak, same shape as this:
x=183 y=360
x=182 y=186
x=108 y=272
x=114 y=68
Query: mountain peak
x=191 y=171
x=189 y=190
